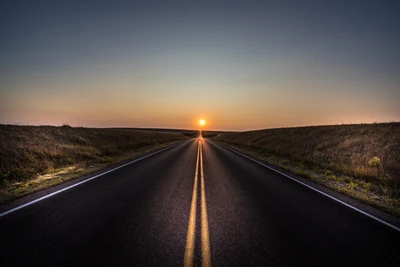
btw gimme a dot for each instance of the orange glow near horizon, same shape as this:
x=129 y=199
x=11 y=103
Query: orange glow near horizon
x=38 y=103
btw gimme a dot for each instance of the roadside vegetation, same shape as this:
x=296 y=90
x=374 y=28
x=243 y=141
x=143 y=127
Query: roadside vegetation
x=37 y=157
x=362 y=161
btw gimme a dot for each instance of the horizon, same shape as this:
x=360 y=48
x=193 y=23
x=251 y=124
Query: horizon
x=199 y=128
x=238 y=65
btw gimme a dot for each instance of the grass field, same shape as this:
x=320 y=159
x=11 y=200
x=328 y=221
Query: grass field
x=36 y=157
x=362 y=161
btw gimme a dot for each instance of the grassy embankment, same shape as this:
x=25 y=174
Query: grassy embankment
x=362 y=161
x=37 y=157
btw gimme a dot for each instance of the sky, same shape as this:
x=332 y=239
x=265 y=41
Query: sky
x=240 y=65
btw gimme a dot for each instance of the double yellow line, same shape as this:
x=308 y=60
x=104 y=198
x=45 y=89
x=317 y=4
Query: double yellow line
x=191 y=234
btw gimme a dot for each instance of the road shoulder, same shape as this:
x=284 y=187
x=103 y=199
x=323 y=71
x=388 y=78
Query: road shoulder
x=375 y=212
x=35 y=196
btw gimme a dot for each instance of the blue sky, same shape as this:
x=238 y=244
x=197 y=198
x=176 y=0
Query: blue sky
x=239 y=64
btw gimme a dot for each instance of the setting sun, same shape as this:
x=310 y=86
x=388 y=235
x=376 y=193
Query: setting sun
x=202 y=122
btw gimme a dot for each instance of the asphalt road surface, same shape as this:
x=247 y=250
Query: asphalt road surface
x=195 y=204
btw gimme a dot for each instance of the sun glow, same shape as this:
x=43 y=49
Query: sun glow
x=202 y=122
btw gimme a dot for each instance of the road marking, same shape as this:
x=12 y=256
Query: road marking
x=205 y=237
x=191 y=234
x=82 y=182
x=318 y=191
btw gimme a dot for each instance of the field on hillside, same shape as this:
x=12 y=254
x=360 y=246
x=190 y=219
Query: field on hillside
x=35 y=157
x=359 y=160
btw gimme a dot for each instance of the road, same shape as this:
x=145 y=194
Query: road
x=243 y=214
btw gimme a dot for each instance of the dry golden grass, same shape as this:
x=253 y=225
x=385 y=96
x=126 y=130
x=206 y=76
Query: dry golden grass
x=360 y=160
x=36 y=157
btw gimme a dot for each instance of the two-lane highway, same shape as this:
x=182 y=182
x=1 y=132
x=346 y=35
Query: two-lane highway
x=196 y=203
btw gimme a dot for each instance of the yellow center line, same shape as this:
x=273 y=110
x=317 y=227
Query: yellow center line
x=205 y=237
x=190 y=239
x=191 y=234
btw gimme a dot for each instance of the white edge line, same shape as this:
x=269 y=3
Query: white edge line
x=84 y=181
x=316 y=190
